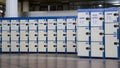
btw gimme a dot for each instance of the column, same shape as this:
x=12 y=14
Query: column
x=25 y=6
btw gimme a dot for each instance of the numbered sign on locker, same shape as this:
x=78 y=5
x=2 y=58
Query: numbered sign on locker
x=6 y=24
x=61 y=34
x=6 y=46
x=33 y=24
x=42 y=23
x=42 y=35
x=42 y=46
x=71 y=23
x=71 y=34
x=15 y=46
x=52 y=35
x=33 y=35
x=33 y=46
x=52 y=23
x=15 y=35
x=24 y=24
x=24 y=35
x=14 y=24
x=61 y=46
x=71 y=46
x=61 y=23
x=6 y=35
x=24 y=46
x=52 y=46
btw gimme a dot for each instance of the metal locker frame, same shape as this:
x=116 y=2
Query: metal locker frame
x=61 y=34
x=52 y=23
x=71 y=46
x=33 y=24
x=52 y=46
x=33 y=46
x=33 y=35
x=15 y=46
x=42 y=24
x=42 y=34
x=15 y=35
x=61 y=46
x=24 y=45
x=6 y=46
x=42 y=46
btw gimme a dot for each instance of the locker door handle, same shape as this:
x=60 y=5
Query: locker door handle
x=101 y=33
x=36 y=24
x=26 y=45
x=88 y=48
x=101 y=18
x=36 y=45
x=74 y=23
x=87 y=33
x=116 y=43
x=116 y=26
x=45 y=34
x=45 y=45
x=0 y=25
x=87 y=18
x=45 y=23
x=74 y=45
x=55 y=34
x=17 y=45
x=8 y=34
x=27 y=35
x=36 y=35
x=116 y=14
x=64 y=46
x=8 y=24
x=74 y=34
x=26 y=24
x=64 y=34
x=101 y=48
x=54 y=45
x=17 y=24
x=54 y=23
x=8 y=45
x=17 y=35
x=64 y=23
x=0 y=35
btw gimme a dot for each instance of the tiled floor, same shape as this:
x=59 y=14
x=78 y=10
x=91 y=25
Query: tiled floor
x=54 y=61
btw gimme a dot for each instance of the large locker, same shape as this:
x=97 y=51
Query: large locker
x=33 y=24
x=52 y=23
x=71 y=46
x=42 y=35
x=52 y=35
x=42 y=46
x=97 y=34
x=24 y=24
x=97 y=49
x=61 y=24
x=61 y=46
x=15 y=46
x=33 y=46
x=15 y=25
x=33 y=35
x=15 y=35
x=71 y=23
x=6 y=35
x=71 y=34
x=6 y=25
x=24 y=35
x=24 y=46
x=61 y=35
x=52 y=46
x=42 y=23
x=83 y=49
x=6 y=46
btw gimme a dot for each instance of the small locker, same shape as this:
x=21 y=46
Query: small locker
x=33 y=46
x=52 y=35
x=33 y=35
x=6 y=46
x=33 y=24
x=42 y=46
x=42 y=23
x=71 y=46
x=24 y=46
x=71 y=34
x=61 y=23
x=52 y=46
x=15 y=25
x=52 y=23
x=24 y=35
x=42 y=35
x=15 y=46
x=61 y=34
x=24 y=24
x=71 y=23
x=15 y=35
x=6 y=35
x=61 y=46
x=6 y=25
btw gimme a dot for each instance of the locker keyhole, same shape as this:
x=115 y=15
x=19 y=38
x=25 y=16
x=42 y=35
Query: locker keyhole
x=87 y=48
x=8 y=34
x=101 y=33
x=26 y=24
x=87 y=18
x=87 y=33
x=45 y=24
x=64 y=23
x=74 y=45
x=116 y=43
x=17 y=46
x=54 y=45
x=101 y=18
x=116 y=26
x=101 y=48
x=27 y=35
x=36 y=24
x=36 y=35
x=45 y=45
x=36 y=45
x=8 y=45
x=26 y=45
x=64 y=46
x=17 y=24
x=115 y=14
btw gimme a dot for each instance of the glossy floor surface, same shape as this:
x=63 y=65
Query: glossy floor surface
x=54 y=61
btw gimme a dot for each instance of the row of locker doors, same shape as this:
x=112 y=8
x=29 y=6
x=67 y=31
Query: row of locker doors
x=41 y=46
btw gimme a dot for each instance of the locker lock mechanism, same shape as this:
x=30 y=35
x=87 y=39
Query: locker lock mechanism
x=116 y=14
x=36 y=24
x=101 y=33
x=17 y=46
x=87 y=33
x=74 y=45
x=54 y=45
x=64 y=34
x=0 y=25
x=0 y=35
x=45 y=34
x=116 y=26
x=17 y=35
x=64 y=46
x=36 y=45
x=101 y=48
x=87 y=18
x=8 y=45
x=116 y=43
x=8 y=24
x=88 y=48
x=26 y=24
x=55 y=34
x=8 y=34
x=36 y=35
x=27 y=35
x=101 y=18
x=26 y=45
x=45 y=45
x=17 y=24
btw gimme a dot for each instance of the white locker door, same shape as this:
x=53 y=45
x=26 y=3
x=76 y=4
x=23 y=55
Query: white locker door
x=52 y=23
x=71 y=23
x=111 y=28
x=33 y=24
x=61 y=23
x=14 y=24
x=83 y=34
x=42 y=24
x=51 y=35
x=33 y=35
x=83 y=18
x=111 y=46
x=83 y=49
x=33 y=46
x=14 y=35
x=71 y=34
x=42 y=46
x=97 y=34
x=6 y=35
x=97 y=49
x=24 y=35
x=71 y=46
x=61 y=46
x=15 y=46
x=5 y=25
x=42 y=35
x=61 y=35
x=24 y=46
x=97 y=18
x=52 y=46
x=24 y=24
x=6 y=46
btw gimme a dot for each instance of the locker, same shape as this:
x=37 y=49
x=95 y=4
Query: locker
x=0 y=37
x=42 y=35
x=71 y=34
x=52 y=23
x=97 y=34
x=33 y=24
x=24 y=35
x=33 y=35
x=111 y=28
x=61 y=46
x=52 y=35
x=83 y=18
x=14 y=24
x=6 y=25
x=6 y=35
x=52 y=46
x=83 y=49
x=24 y=46
x=33 y=46
x=24 y=24
x=15 y=35
x=6 y=46
x=42 y=46
x=97 y=49
x=61 y=34
x=42 y=23
x=111 y=46
x=71 y=23
x=71 y=46
x=15 y=46
x=83 y=33
x=61 y=23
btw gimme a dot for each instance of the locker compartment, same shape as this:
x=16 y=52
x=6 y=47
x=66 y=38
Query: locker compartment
x=71 y=23
x=42 y=35
x=71 y=34
x=97 y=34
x=83 y=34
x=24 y=35
x=97 y=18
x=42 y=24
x=33 y=24
x=14 y=24
x=6 y=35
x=24 y=46
x=52 y=23
x=33 y=35
x=61 y=46
x=6 y=25
x=61 y=35
x=83 y=18
x=111 y=46
x=15 y=35
x=97 y=49
x=83 y=49
x=111 y=28
x=52 y=46
x=33 y=46
x=61 y=23
x=24 y=24
x=15 y=46
x=6 y=46
x=52 y=35
x=42 y=46
x=71 y=46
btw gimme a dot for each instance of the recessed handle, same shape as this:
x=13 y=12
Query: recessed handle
x=64 y=23
x=88 y=48
x=27 y=35
x=8 y=34
x=74 y=34
x=45 y=34
x=36 y=24
x=101 y=33
x=27 y=45
x=55 y=34
x=87 y=18
x=8 y=45
x=17 y=24
x=116 y=26
x=8 y=24
x=36 y=35
x=26 y=24
x=45 y=45
x=36 y=45
x=54 y=45
x=0 y=24
x=17 y=45
x=116 y=43
x=17 y=35
x=87 y=33
x=101 y=48
x=116 y=14
x=54 y=23
x=64 y=46
x=45 y=23
x=101 y=18
x=74 y=45
x=64 y=34
x=74 y=23
x=0 y=35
